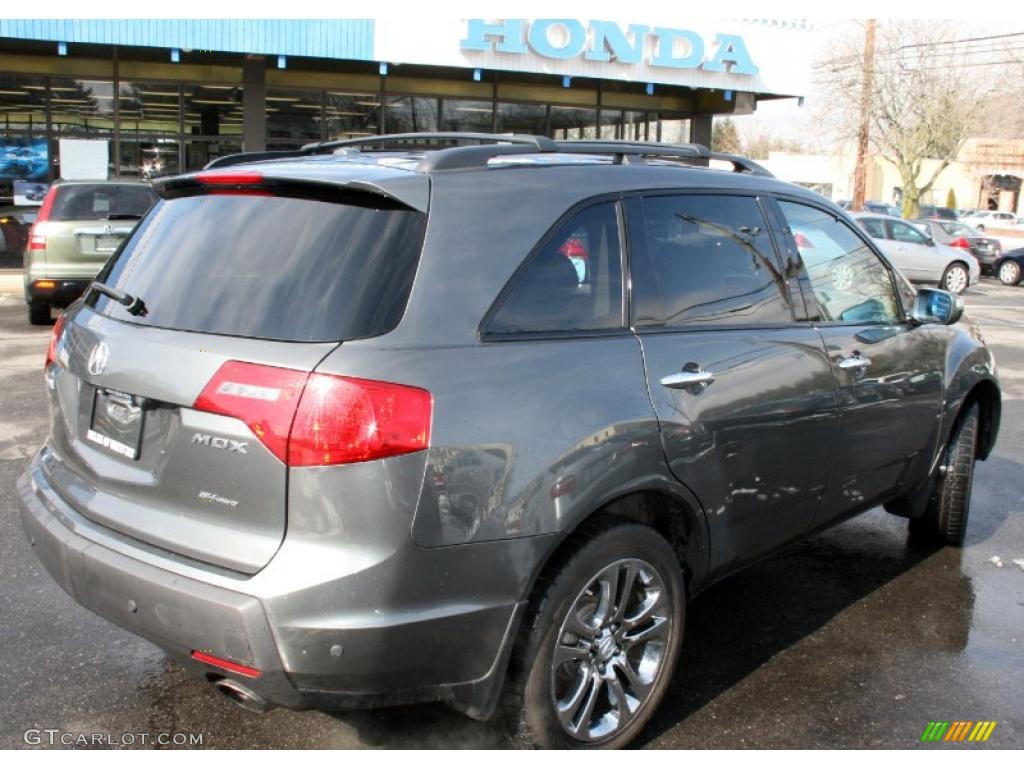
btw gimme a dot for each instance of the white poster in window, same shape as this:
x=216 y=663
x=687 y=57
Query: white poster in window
x=84 y=159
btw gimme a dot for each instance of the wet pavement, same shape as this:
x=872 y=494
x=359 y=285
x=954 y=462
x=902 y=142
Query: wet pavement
x=852 y=638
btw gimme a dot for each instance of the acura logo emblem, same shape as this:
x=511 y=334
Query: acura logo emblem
x=98 y=359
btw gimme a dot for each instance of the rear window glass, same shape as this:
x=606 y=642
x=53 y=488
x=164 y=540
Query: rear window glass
x=83 y=202
x=269 y=267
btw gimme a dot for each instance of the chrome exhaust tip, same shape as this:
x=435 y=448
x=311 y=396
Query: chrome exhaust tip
x=242 y=696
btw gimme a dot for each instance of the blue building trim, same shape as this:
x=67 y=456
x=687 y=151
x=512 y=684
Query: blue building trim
x=321 y=38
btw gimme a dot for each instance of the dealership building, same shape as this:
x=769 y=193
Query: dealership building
x=166 y=96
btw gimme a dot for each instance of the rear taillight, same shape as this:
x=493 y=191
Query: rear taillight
x=318 y=419
x=51 y=351
x=962 y=243
x=36 y=234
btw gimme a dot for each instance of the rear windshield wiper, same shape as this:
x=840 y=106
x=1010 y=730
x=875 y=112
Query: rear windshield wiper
x=122 y=216
x=132 y=305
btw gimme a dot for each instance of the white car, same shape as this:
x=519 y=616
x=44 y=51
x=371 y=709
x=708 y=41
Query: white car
x=918 y=256
x=996 y=219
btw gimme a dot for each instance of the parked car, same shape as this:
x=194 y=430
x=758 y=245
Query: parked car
x=937 y=212
x=918 y=256
x=955 y=234
x=992 y=219
x=15 y=221
x=1010 y=267
x=874 y=206
x=78 y=227
x=278 y=391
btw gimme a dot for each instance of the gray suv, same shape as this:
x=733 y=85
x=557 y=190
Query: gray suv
x=471 y=418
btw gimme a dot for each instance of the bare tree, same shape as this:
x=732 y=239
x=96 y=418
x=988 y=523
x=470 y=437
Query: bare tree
x=923 y=103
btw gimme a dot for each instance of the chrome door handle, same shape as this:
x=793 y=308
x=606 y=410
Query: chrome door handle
x=685 y=379
x=853 y=363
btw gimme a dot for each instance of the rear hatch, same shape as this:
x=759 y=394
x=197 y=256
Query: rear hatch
x=171 y=426
x=88 y=222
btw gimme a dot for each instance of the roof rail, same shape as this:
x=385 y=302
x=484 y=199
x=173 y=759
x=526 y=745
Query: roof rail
x=742 y=164
x=449 y=151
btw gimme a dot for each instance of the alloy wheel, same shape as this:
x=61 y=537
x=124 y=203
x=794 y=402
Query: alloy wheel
x=610 y=650
x=956 y=279
x=1009 y=273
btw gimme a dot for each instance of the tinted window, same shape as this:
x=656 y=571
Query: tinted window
x=703 y=259
x=850 y=283
x=873 y=227
x=572 y=283
x=270 y=267
x=905 y=233
x=76 y=202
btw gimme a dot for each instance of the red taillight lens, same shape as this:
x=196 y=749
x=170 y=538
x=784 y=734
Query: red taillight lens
x=343 y=420
x=263 y=397
x=229 y=178
x=318 y=419
x=36 y=239
x=962 y=243
x=51 y=351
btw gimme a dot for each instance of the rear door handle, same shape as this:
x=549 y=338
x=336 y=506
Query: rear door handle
x=687 y=378
x=854 y=362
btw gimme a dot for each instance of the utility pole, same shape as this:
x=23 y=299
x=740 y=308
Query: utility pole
x=867 y=79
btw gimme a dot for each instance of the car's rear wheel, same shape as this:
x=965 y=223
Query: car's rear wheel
x=38 y=314
x=1009 y=273
x=945 y=519
x=956 y=278
x=600 y=643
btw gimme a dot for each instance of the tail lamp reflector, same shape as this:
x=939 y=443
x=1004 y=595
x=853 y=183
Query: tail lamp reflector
x=225 y=664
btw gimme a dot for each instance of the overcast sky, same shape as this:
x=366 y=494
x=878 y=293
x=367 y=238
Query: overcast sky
x=786 y=120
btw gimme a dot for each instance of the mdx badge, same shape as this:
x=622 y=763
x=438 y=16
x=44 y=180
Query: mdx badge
x=224 y=443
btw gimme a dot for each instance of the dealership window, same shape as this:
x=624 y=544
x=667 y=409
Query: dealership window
x=213 y=122
x=149 y=140
x=408 y=114
x=523 y=118
x=293 y=118
x=462 y=115
x=350 y=115
x=83 y=108
x=22 y=105
x=573 y=122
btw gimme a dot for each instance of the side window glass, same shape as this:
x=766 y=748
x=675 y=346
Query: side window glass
x=905 y=233
x=874 y=228
x=572 y=283
x=704 y=260
x=850 y=283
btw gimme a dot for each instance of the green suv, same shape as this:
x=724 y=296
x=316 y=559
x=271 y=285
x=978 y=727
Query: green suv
x=80 y=224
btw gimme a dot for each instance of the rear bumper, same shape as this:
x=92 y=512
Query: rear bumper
x=55 y=292
x=457 y=655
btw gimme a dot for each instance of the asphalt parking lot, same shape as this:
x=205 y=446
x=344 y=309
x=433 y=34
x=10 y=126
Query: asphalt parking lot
x=853 y=638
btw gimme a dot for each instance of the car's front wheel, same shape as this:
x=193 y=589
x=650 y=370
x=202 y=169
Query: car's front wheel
x=1009 y=273
x=956 y=278
x=38 y=314
x=600 y=644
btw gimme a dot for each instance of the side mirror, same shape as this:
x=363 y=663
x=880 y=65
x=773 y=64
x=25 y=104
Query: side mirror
x=936 y=306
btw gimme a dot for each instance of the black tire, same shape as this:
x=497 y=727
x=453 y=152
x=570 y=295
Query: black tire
x=535 y=679
x=945 y=519
x=1009 y=272
x=958 y=272
x=38 y=314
